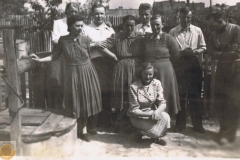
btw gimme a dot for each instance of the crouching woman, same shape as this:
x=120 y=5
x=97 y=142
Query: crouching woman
x=147 y=105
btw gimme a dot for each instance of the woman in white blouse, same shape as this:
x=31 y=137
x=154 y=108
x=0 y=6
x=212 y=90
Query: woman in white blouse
x=147 y=104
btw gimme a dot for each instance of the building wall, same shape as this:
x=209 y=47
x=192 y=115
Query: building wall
x=122 y=12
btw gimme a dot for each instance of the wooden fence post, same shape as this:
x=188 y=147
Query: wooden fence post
x=12 y=78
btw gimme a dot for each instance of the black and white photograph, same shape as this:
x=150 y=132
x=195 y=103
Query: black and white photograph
x=119 y=79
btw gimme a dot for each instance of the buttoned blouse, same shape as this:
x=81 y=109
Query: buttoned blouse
x=75 y=51
x=192 y=37
x=141 y=98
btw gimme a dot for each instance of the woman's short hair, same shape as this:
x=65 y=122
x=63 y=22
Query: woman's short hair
x=155 y=17
x=98 y=6
x=145 y=6
x=72 y=5
x=129 y=18
x=144 y=66
x=73 y=19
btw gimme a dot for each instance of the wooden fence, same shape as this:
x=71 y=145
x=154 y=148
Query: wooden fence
x=32 y=83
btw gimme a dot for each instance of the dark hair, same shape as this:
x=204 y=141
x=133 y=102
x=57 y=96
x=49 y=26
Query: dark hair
x=145 y=6
x=129 y=17
x=144 y=66
x=73 y=19
x=156 y=16
x=215 y=15
x=185 y=10
x=73 y=5
x=98 y=6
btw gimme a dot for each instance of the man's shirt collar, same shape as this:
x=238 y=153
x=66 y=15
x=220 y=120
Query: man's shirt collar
x=101 y=27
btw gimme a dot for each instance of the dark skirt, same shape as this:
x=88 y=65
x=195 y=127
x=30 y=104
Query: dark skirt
x=167 y=77
x=82 y=94
x=124 y=73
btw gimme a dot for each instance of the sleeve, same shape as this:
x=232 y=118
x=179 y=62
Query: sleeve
x=173 y=48
x=55 y=33
x=58 y=51
x=201 y=40
x=134 y=107
x=236 y=40
x=160 y=97
x=210 y=45
x=109 y=42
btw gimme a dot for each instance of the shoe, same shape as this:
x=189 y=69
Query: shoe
x=84 y=137
x=159 y=141
x=92 y=132
x=138 y=137
x=199 y=129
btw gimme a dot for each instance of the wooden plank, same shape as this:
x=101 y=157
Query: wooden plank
x=5 y=112
x=23 y=88
x=1 y=89
x=32 y=120
x=12 y=77
x=4 y=120
x=36 y=112
x=27 y=130
x=49 y=125
x=66 y=125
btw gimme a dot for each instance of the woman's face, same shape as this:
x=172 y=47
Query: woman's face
x=128 y=26
x=147 y=76
x=76 y=28
x=156 y=26
x=71 y=11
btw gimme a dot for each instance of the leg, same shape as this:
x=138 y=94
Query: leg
x=93 y=128
x=82 y=128
x=194 y=95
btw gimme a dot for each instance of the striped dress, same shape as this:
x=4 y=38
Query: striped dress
x=127 y=49
x=82 y=94
x=141 y=99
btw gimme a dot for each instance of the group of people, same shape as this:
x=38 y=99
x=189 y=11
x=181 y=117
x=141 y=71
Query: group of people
x=142 y=72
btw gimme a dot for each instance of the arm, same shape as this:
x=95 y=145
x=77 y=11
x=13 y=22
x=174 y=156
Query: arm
x=201 y=44
x=134 y=107
x=162 y=103
x=105 y=51
x=211 y=50
x=173 y=49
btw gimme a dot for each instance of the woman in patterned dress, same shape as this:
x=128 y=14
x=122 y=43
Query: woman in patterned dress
x=82 y=95
x=126 y=46
x=161 y=49
x=147 y=104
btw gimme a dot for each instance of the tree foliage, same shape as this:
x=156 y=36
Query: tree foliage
x=12 y=7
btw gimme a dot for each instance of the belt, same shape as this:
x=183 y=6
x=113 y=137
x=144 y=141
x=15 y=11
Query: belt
x=79 y=63
x=128 y=57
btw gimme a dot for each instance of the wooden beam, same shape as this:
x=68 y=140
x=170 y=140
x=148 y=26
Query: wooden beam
x=12 y=78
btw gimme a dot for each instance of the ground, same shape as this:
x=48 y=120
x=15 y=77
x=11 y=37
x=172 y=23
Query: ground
x=186 y=144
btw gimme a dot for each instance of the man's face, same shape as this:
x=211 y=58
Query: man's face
x=98 y=15
x=214 y=25
x=145 y=16
x=186 y=19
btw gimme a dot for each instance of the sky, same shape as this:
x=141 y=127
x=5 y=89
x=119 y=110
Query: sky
x=135 y=3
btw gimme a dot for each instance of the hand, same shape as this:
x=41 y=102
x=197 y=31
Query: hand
x=35 y=57
x=115 y=57
x=156 y=115
x=101 y=44
x=187 y=52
